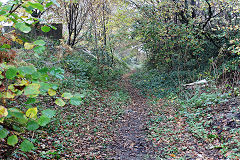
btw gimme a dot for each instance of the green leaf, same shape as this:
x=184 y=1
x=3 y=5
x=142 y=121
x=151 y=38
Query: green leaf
x=43 y=70
x=32 y=89
x=2 y=119
x=49 y=113
x=39 y=42
x=6 y=7
x=17 y=128
x=15 y=112
x=39 y=49
x=57 y=72
x=45 y=28
x=11 y=73
x=26 y=146
x=49 y=4
x=20 y=117
x=67 y=95
x=43 y=120
x=55 y=86
x=22 y=120
x=76 y=101
x=44 y=87
x=3 y=50
x=32 y=125
x=44 y=78
x=36 y=6
x=7 y=46
x=80 y=96
x=36 y=55
x=23 y=27
x=27 y=70
x=53 y=27
x=31 y=100
x=3 y=133
x=36 y=75
x=60 y=102
x=12 y=140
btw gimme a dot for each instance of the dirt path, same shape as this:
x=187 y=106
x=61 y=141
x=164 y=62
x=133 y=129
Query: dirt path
x=131 y=142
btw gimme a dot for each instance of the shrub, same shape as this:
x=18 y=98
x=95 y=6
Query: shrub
x=24 y=85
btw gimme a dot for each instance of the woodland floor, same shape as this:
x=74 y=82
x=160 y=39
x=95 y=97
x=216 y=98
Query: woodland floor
x=138 y=130
x=132 y=142
x=159 y=131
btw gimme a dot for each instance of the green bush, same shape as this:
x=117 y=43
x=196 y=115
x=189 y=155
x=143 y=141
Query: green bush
x=26 y=83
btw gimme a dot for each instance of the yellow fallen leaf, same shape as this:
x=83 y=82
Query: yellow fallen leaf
x=32 y=112
x=28 y=45
x=19 y=41
x=13 y=38
x=3 y=112
x=51 y=92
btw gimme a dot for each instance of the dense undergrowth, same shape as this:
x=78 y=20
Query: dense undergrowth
x=195 y=122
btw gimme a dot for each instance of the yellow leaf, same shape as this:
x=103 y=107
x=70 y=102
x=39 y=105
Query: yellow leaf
x=24 y=16
x=60 y=102
x=3 y=112
x=51 y=92
x=23 y=82
x=13 y=38
x=28 y=45
x=3 y=18
x=19 y=41
x=32 y=112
